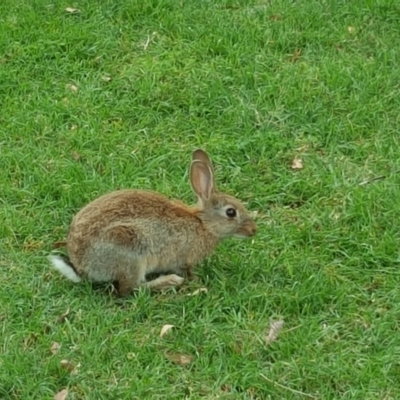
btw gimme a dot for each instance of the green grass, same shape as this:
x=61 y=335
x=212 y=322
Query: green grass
x=255 y=83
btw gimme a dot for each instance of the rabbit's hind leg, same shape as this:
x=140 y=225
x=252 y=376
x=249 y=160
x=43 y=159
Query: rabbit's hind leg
x=164 y=282
x=110 y=262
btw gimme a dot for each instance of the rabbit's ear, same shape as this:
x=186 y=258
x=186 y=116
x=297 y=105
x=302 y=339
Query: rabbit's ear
x=202 y=179
x=201 y=155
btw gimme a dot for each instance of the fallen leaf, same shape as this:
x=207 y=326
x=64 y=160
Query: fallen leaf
x=165 y=329
x=198 y=291
x=69 y=366
x=106 y=78
x=181 y=359
x=61 y=243
x=61 y=395
x=274 y=330
x=62 y=317
x=76 y=156
x=297 y=163
x=55 y=347
x=72 y=10
x=71 y=87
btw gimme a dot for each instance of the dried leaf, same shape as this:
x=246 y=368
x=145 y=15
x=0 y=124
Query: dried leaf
x=61 y=243
x=55 y=347
x=71 y=87
x=297 y=163
x=165 y=329
x=181 y=359
x=72 y=10
x=76 y=156
x=198 y=291
x=69 y=366
x=274 y=330
x=62 y=317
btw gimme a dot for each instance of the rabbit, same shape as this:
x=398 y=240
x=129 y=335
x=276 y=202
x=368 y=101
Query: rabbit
x=127 y=234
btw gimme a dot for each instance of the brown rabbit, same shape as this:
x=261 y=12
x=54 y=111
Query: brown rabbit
x=127 y=234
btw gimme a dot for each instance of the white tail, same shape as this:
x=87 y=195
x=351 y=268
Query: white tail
x=61 y=266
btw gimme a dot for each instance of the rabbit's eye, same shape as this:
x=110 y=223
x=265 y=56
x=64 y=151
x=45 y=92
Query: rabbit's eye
x=230 y=212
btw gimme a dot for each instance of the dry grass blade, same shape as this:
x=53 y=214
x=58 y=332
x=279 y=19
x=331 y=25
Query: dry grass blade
x=198 y=291
x=165 y=329
x=288 y=388
x=63 y=316
x=254 y=214
x=378 y=178
x=274 y=330
x=62 y=395
x=148 y=40
x=72 y=10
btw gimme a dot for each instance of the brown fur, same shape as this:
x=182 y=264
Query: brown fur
x=124 y=235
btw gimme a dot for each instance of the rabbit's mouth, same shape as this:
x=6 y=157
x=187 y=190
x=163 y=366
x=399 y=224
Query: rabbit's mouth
x=248 y=229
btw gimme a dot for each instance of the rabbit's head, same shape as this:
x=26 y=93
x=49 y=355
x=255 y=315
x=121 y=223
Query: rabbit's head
x=223 y=215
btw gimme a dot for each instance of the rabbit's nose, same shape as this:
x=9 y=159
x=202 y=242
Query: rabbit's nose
x=253 y=230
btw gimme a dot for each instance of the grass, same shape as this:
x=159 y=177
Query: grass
x=117 y=95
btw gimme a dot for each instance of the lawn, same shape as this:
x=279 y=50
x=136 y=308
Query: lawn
x=297 y=103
